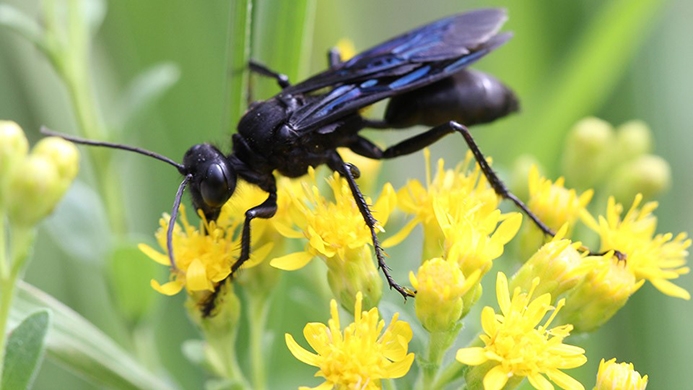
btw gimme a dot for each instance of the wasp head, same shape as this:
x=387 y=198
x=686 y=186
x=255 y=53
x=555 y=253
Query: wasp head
x=213 y=178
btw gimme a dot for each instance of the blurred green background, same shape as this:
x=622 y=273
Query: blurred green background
x=653 y=82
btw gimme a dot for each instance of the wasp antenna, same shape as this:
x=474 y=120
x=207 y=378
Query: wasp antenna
x=83 y=141
x=172 y=220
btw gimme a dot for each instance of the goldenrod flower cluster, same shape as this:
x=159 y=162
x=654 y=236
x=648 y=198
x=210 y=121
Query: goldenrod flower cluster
x=562 y=287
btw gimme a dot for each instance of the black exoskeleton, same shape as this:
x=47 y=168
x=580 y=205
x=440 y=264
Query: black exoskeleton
x=424 y=74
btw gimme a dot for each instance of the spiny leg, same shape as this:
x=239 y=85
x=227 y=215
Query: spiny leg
x=350 y=172
x=366 y=148
x=265 y=210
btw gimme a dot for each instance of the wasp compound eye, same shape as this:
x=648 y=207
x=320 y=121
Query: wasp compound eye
x=217 y=185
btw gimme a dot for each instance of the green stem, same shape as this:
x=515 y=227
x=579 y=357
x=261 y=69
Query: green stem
x=71 y=61
x=22 y=239
x=227 y=351
x=258 y=311
x=4 y=265
x=6 y=295
x=435 y=356
x=453 y=371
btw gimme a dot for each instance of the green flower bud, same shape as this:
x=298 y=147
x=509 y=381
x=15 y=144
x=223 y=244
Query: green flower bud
x=439 y=286
x=586 y=158
x=518 y=179
x=355 y=272
x=40 y=180
x=13 y=149
x=62 y=153
x=633 y=139
x=557 y=264
x=603 y=291
x=648 y=175
x=223 y=320
x=34 y=191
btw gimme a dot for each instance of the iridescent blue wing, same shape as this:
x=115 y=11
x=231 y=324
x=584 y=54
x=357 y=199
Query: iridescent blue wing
x=409 y=61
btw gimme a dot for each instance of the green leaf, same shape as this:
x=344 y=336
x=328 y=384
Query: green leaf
x=145 y=89
x=130 y=271
x=14 y=19
x=94 y=12
x=79 y=224
x=24 y=351
x=283 y=36
x=78 y=345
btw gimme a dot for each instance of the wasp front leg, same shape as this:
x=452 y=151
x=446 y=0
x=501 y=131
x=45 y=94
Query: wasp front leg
x=265 y=210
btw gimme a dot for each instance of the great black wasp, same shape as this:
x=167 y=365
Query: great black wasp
x=423 y=73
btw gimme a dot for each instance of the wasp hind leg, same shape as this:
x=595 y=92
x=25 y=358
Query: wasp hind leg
x=366 y=148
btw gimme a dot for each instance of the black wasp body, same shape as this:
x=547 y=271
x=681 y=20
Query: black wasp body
x=424 y=74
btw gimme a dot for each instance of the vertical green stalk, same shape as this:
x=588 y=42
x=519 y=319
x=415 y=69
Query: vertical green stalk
x=453 y=371
x=6 y=290
x=238 y=53
x=21 y=242
x=226 y=349
x=438 y=344
x=70 y=57
x=258 y=306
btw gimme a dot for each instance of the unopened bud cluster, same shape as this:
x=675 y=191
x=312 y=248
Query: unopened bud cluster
x=620 y=159
x=32 y=183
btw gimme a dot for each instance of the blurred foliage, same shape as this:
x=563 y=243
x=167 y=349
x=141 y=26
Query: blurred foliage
x=557 y=63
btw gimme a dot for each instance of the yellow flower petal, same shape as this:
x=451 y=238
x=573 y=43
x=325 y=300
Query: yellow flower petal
x=154 y=255
x=472 y=356
x=398 y=237
x=196 y=277
x=564 y=380
x=539 y=382
x=508 y=229
x=496 y=378
x=258 y=255
x=170 y=288
x=292 y=262
x=300 y=353
x=400 y=368
x=670 y=289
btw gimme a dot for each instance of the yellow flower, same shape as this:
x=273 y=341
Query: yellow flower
x=558 y=265
x=604 y=290
x=452 y=197
x=361 y=355
x=656 y=258
x=516 y=346
x=619 y=376
x=554 y=204
x=440 y=286
x=204 y=255
x=474 y=240
x=337 y=233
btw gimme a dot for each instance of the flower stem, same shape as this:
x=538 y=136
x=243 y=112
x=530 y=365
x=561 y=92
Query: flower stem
x=22 y=240
x=438 y=343
x=453 y=371
x=258 y=311
x=70 y=59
